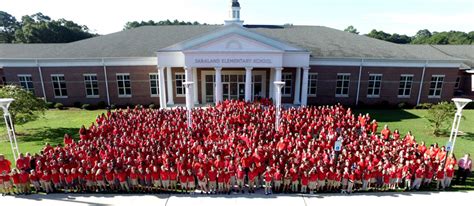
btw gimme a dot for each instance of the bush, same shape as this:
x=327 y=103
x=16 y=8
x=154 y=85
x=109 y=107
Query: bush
x=113 y=106
x=87 y=107
x=50 y=105
x=424 y=106
x=101 y=105
x=77 y=104
x=59 y=106
x=139 y=106
x=404 y=105
x=152 y=106
x=439 y=115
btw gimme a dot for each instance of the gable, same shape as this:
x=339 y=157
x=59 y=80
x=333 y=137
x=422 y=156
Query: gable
x=234 y=43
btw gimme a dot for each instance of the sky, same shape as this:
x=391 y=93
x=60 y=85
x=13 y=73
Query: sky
x=392 y=16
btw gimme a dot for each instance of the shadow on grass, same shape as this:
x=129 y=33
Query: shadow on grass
x=48 y=134
x=467 y=136
x=387 y=115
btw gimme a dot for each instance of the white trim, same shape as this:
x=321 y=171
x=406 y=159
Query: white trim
x=436 y=83
x=118 y=88
x=157 y=84
x=23 y=75
x=78 y=62
x=27 y=88
x=85 y=85
x=404 y=88
x=309 y=83
x=60 y=88
x=224 y=72
x=386 y=62
x=176 y=87
x=380 y=88
x=348 y=85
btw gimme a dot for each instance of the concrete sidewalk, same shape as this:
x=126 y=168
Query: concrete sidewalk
x=365 y=199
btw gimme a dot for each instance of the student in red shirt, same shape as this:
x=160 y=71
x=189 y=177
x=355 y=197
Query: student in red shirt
x=7 y=184
x=212 y=176
x=277 y=178
x=240 y=178
x=268 y=177
x=304 y=182
x=183 y=181
x=253 y=174
x=173 y=176
x=122 y=178
x=99 y=178
x=148 y=180
x=25 y=181
x=5 y=165
x=45 y=181
x=15 y=178
x=321 y=179
x=191 y=181
x=34 y=178
x=449 y=175
x=155 y=177
x=134 y=176
x=202 y=181
x=440 y=178
x=110 y=178
x=55 y=179
x=350 y=183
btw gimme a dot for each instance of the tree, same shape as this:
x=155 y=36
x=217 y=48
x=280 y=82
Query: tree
x=8 y=26
x=135 y=24
x=26 y=106
x=439 y=115
x=379 y=35
x=351 y=29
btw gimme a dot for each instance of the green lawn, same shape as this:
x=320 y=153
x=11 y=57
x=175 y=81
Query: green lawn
x=51 y=128
x=405 y=120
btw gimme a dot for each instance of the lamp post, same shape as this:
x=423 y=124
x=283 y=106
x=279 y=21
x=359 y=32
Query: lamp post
x=189 y=102
x=5 y=103
x=460 y=104
x=278 y=86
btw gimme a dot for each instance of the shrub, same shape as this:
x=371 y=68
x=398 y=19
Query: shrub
x=59 y=106
x=139 y=106
x=113 y=106
x=50 y=105
x=152 y=106
x=77 y=104
x=439 y=115
x=87 y=107
x=101 y=105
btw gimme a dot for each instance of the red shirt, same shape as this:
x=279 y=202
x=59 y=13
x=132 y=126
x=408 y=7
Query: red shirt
x=46 y=178
x=183 y=178
x=109 y=176
x=122 y=176
x=440 y=174
x=55 y=178
x=212 y=175
x=268 y=177
x=16 y=178
x=252 y=175
x=240 y=174
x=449 y=172
x=164 y=175
x=155 y=176
x=304 y=180
x=5 y=166
x=24 y=178
x=173 y=175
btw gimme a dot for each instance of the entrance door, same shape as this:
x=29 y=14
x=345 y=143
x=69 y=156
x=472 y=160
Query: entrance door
x=225 y=91
x=241 y=94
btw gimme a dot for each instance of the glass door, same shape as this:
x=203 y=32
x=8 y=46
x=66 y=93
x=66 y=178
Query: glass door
x=225 y=91
x=241 y=91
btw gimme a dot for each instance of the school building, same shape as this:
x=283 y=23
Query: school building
x=319 y=65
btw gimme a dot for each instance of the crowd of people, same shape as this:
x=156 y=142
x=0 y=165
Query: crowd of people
x=233 y=147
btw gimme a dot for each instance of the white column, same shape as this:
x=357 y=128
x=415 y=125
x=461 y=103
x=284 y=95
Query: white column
x=218 y=81
x=169 y=84
x=161 y=82
x=278 y=86
x=188 y=73
x=189 y=102
x=271 y=90
x=195 y=86
x=277 y=79
x=248 y=84
x=304 y=90
x=297 y=86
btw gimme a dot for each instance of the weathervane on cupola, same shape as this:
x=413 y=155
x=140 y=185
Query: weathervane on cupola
x=234 y=13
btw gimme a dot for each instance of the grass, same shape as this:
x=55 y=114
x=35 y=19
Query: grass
x=413 y=120
x=51 y=128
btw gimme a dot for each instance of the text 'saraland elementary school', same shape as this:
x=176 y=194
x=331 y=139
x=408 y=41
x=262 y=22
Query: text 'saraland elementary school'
x=319 y=65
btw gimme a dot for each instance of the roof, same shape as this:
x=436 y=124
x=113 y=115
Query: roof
x=321 y=41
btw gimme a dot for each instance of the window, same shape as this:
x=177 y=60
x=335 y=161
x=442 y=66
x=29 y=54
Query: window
x=342 y=85
x=154 y=88
x=457 y=83
x=373 y=89
x=312 y=84
x=436 y=86
x=404 y=89
x=26 y=82
x=92 y=85
x=59 y=85
x=124 y=86
x=180 y=79
x=286 y=90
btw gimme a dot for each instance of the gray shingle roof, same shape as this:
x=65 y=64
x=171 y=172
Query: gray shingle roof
x=321 y=41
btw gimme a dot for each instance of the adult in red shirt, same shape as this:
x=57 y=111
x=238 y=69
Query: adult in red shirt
x=5 y=165
x=385 y=132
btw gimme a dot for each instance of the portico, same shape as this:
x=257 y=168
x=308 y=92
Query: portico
x=234 y=63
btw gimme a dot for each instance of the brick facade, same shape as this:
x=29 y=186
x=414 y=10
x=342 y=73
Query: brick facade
x=326 y=86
